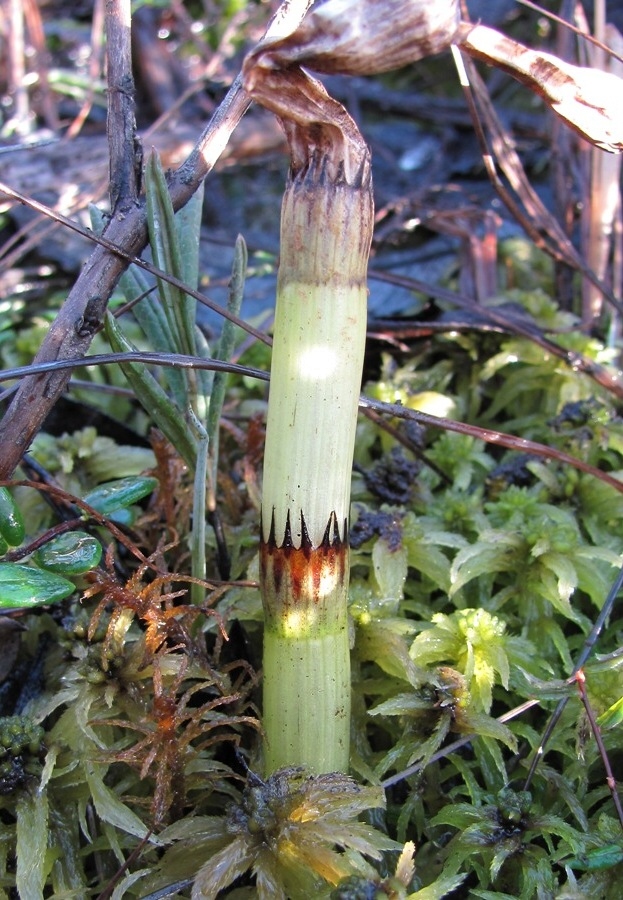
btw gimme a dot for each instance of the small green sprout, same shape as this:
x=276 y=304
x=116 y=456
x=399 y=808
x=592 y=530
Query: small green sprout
x=508 y=833
x=475 y=642
x=429 y=713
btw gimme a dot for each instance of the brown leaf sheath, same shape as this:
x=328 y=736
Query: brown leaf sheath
x=299 y=577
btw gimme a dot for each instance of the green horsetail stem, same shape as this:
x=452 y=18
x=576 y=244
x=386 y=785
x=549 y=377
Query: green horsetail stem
x=318 y=350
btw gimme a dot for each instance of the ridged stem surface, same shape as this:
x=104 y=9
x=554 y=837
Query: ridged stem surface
x=318 y=348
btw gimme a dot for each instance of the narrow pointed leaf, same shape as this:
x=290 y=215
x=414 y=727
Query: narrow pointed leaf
x=187 y=227
x=153 y=398
x=612 y=716
x=151 y=317
x=439 y=889
x=225 y=349
x=178 y=306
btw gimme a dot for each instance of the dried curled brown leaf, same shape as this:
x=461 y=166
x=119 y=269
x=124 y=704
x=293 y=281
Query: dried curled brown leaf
x=365 y=37
x=587 y=99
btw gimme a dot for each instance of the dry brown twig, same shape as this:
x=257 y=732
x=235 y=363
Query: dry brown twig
x=125 y=153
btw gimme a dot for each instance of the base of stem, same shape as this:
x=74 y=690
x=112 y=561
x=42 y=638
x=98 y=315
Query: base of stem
x=307 y=701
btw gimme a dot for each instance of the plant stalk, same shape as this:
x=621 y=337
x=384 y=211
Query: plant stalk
x=318 y=350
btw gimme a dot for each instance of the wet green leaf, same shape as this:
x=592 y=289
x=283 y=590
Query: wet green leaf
x=224 y=867
x=124 y=517
x=121 y=493
x=390 y=570
x=380 y=640
x=497 y=551
x=11 y=521
x=70 y=554
x=24 y=586
x=153 y=397
x=485 y=726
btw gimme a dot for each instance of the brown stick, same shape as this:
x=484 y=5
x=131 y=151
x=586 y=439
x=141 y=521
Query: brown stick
x=124 y=150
